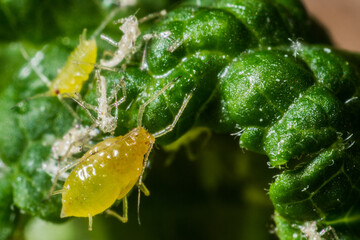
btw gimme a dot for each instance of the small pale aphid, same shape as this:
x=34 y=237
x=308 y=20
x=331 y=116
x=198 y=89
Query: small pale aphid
x=126 y=45
x=105 y=121
x=110 y=169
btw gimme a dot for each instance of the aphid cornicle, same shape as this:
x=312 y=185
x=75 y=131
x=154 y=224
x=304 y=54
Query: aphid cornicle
x=110 y=169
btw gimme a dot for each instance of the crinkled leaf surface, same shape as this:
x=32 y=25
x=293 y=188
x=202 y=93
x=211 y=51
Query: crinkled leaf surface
x=295 y=103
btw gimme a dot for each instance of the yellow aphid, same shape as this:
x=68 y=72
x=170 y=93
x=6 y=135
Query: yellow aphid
x=76 y=71
x=110 y=169
x=107 y=172
x=72 y=76
x=77 y=68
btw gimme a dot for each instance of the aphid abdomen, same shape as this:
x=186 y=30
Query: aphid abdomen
x=90 y=188
x=108 y=172
x=76 y=70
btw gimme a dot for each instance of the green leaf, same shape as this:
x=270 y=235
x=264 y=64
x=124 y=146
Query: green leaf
x=294 y=102
x=32 y=184
x=7 y=213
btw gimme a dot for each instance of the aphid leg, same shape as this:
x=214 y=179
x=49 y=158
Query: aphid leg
x=156 y=95
x=57 y=192
x=177 y=117
x=68 y=107
x=140 y=180
x=121 y=100
x=90 y=222
x=109 y=40
x=117 y=87
x=85 y=106
x=107 y=53
x=123 y=218
x=100 y=88
x=144 y=189
x=61 y=171
x=143 y=66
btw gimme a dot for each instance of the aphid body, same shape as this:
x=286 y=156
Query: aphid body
x=110 y=169
x=72 y=76
x=77 y=68
x=126 y=45
x=107 y=172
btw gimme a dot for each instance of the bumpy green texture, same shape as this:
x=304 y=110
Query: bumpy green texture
x=297 y=103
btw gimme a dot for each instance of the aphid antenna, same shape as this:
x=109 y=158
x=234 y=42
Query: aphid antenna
x=157 y=94
x=59 y=96
x=105 y=22
x=152 y=16
x=122 y=20
x=161 y=132
x=177 y=117
x=83 y=104
x=28 y=99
